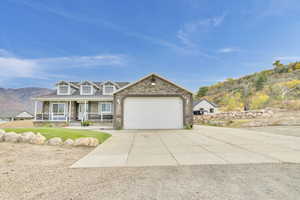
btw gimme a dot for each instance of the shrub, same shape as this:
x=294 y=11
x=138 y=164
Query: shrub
x=260 y=82
x=202 y=92
x=188 y=126
x=232 y=102
x=86 y=123
x=259 y=100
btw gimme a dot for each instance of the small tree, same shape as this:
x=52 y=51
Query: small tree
x=296 y=66
x=202 y=92
x=279 y=67
x=260 y=82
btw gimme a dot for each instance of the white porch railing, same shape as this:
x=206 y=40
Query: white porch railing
x=103 y=117
x=52 y=117
x=99 y=116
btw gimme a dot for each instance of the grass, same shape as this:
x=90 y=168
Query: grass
x=63 y=133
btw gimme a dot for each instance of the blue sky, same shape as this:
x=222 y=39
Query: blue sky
x=191 y=42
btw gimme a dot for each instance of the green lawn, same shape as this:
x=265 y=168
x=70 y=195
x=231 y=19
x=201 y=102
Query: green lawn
x=62 y=133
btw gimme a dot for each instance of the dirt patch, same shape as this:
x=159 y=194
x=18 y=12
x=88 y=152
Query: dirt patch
x=18 y=124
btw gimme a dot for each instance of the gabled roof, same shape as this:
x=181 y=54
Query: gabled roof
x=111 y=82
x=211 y=103
x=145 y=77
x=68 y=83
x=24 y=114
x=90 y=83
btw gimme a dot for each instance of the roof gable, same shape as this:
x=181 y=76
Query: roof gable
x=67 y=83
x=89 y=83
x=24 y=114
x=154 y=75
x=195 y=103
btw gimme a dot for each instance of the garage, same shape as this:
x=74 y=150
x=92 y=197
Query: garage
x=153 y=113
x=153 y=102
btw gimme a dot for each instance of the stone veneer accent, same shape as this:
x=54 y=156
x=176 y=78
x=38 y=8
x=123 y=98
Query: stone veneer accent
x=144 y=88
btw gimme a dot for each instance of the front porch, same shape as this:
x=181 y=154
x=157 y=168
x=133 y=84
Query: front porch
x=73 y=111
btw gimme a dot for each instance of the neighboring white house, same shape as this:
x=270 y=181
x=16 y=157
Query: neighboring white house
x=204 y=106
x=23 y=116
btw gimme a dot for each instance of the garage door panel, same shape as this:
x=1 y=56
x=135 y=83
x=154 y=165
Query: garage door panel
x=153 y=113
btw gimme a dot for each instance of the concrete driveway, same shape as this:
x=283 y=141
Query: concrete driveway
x=202 y=145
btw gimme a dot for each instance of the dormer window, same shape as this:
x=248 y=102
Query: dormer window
x=108 y=89
x=63 y=90
x=86 y=90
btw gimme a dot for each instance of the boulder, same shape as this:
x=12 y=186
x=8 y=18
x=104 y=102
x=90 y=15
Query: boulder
x=27 y=136
x=38 y=139
x=11 y=137
x=55 y=141
x=1 y=137
x=69 y=142
x=88 y=141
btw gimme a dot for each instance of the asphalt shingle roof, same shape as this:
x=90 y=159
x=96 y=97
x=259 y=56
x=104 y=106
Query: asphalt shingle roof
x=76 y=94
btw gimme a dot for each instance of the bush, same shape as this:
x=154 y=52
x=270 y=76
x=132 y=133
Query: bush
x=86 y=123
x=260 y=82
x=188 y=126
x=259 y=100
x=202 y=92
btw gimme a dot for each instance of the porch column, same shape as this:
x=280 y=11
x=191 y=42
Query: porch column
x=70 y=110
x=85 y=110
x=35 y=109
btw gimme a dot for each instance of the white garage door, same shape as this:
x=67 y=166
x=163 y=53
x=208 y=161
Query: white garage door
x=153 y=113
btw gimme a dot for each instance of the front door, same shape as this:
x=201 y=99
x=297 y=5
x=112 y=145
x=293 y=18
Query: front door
x=81 y=110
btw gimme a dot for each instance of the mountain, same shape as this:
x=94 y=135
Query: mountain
x=278 y=87
x=13 y=101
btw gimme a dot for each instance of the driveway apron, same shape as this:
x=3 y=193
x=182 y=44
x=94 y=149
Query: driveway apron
x=202 y=145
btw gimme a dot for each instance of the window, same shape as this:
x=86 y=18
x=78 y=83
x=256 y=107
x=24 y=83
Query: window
x=86 y=89
x=211 y=110
x=108 y=89
x=63 y=89
x=58 y=108
x=106 y=107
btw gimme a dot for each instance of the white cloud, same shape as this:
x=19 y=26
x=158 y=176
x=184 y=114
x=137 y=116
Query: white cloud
x=190 y=31
x=5 y=53
x=12 y=66
x=228 y=50
x=83 y=61
x=288 y=58
x=95 y=21
x=15 y=67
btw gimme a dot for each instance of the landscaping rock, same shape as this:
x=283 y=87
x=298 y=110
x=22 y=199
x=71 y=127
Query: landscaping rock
x=55 y=141
x=26 y=137
x=38 y=139
x=69 y=142
x=11 y=137
x=1 y=137
x=88 y=141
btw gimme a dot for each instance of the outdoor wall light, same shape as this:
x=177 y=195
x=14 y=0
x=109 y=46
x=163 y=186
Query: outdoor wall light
x=153 y=81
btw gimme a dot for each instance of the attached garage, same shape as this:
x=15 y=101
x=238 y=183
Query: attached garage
x=153 y=113
x=153 y=103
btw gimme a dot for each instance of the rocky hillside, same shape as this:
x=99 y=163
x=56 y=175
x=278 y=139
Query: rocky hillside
x=13 y=101
x=278 y=87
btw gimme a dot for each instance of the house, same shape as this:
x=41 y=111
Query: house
x=204 y=106
x=152 y=102
x=24 y=116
